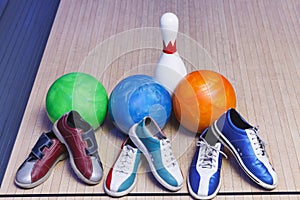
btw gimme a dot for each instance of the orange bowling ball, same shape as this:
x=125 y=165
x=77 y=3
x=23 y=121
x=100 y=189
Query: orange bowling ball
x=201 y=97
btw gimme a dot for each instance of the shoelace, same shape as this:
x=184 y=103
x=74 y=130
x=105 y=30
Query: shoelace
x=168 y=154
x=258 y=142
x=208 y=154
x=126 y=159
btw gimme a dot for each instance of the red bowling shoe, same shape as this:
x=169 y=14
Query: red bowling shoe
x=79 y=138
x=36 y=169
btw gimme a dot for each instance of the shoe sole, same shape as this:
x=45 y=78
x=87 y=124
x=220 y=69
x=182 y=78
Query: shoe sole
x=44 y=178
x=77 y=172
x=119 y=194
x=228 y=144
x=196 y=196
x=143 y=149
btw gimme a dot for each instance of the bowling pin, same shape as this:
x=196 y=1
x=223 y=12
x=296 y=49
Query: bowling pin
x=170 y=68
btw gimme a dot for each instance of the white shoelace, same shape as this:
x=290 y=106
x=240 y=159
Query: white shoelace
x=167 y=153
x=126 y=159
x=208 y=154
x=258 y=141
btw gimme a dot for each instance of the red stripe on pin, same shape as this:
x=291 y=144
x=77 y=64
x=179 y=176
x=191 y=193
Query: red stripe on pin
x=170 y=48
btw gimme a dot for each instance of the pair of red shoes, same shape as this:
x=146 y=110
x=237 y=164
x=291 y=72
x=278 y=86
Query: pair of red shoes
x=71 y=136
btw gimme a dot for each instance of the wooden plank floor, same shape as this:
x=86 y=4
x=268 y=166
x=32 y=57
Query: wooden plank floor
x=255 y=44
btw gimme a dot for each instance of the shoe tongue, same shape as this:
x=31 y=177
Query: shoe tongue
x=74 y=120
x=210 y=137
x=153 y=129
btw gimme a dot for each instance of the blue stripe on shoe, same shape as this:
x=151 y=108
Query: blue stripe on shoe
x=130 y=180
x=214 y=182
x=194 y=177
x=128 y=183
x=163 y=173
x=151 y=144
x=154 y=148
x=259 y=169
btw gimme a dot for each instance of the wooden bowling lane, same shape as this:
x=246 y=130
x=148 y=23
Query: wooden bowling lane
x=255 y=44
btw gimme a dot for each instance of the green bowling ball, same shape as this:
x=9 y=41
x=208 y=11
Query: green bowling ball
x=77 y=91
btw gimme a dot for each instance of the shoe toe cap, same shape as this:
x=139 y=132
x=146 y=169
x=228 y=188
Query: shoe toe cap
x=203 y=186
x=23 y=175
x=172 y=177
x=269 y=179
x=118 y=184
x=97 y=170
x=264 y=172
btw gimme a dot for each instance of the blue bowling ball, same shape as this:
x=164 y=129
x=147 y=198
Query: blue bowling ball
x=138 y=96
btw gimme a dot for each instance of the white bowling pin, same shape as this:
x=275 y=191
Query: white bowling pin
x=170 y=68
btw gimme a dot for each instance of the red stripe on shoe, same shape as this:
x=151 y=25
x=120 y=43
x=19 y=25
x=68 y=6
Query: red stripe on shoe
x=108 y=179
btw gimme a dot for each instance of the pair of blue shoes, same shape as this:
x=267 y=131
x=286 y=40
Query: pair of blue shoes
x=243 y=141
